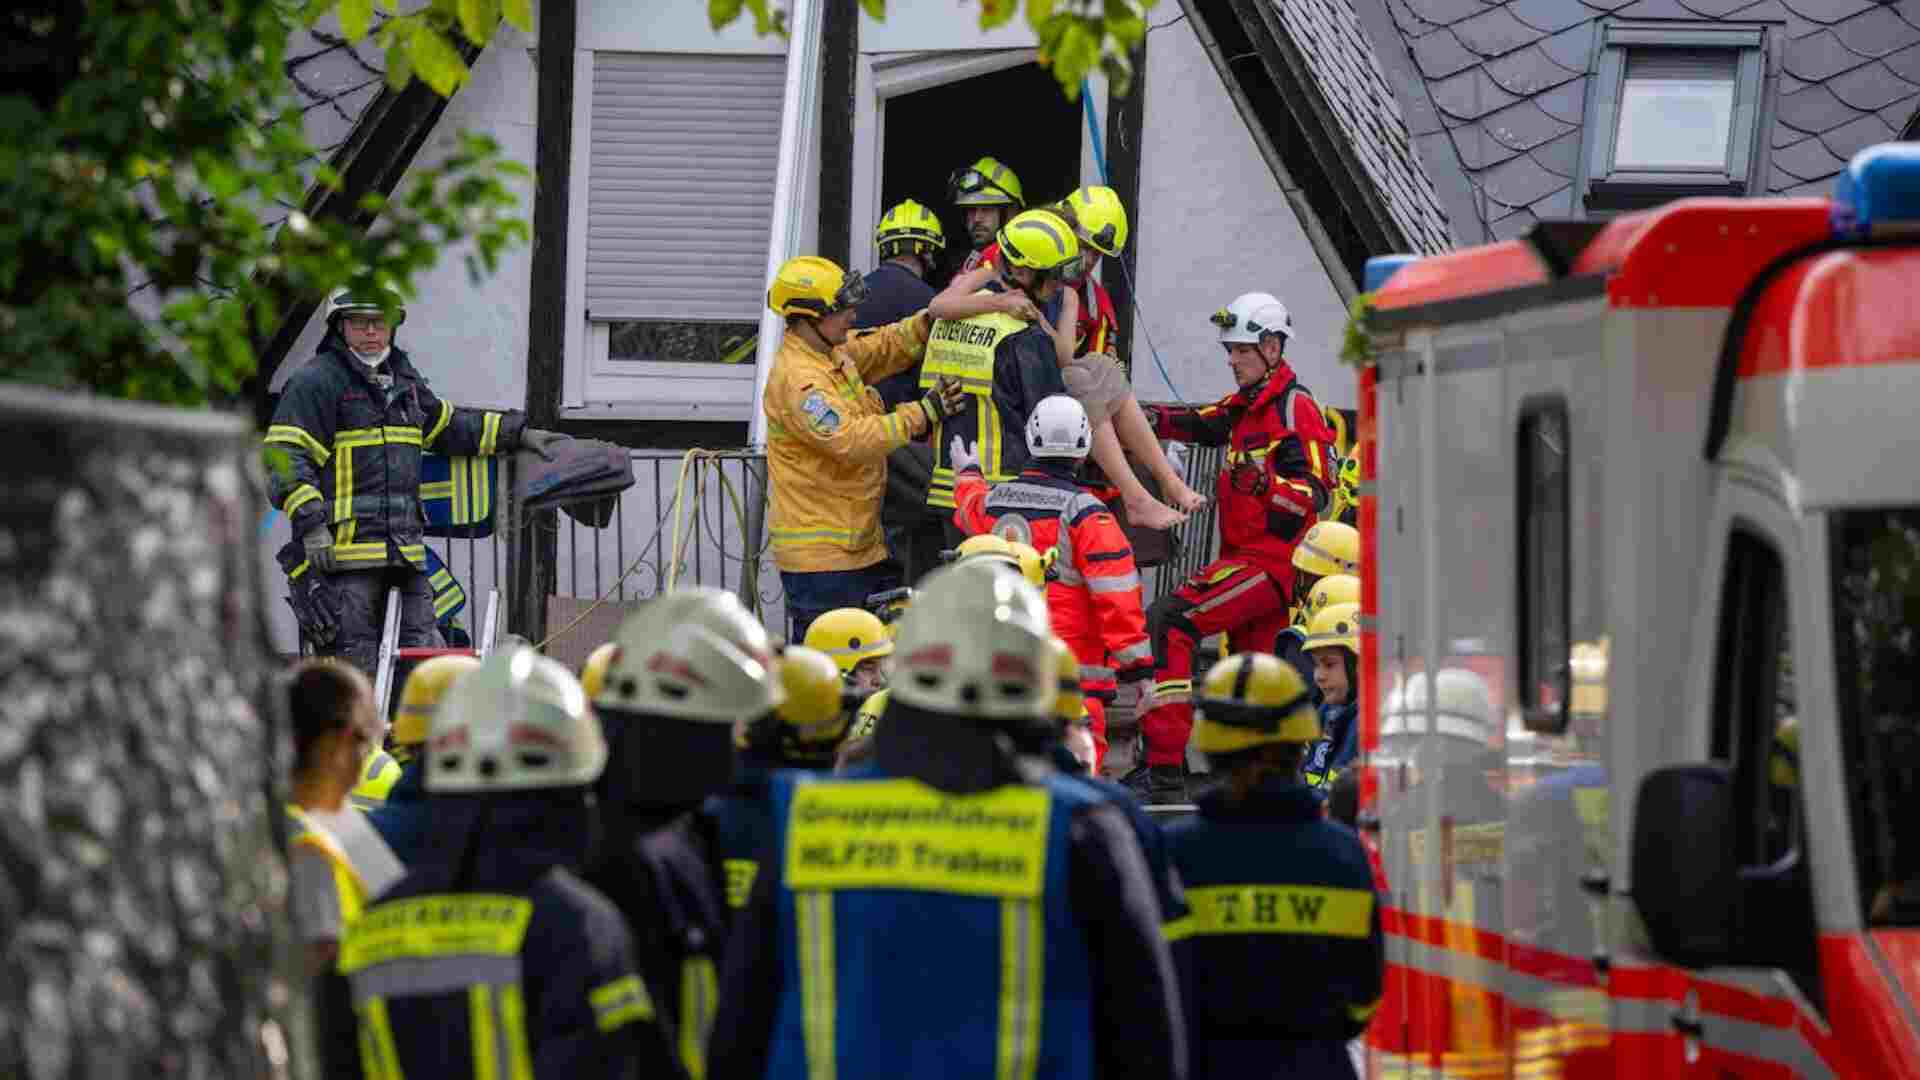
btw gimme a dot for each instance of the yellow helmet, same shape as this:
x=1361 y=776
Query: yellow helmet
x=868 y=721
x=1330 y=547
x=1350 y=475
x=1040 y=240
x=1333 y=589
x=812 y=286
x=811 y=720
x=1337 y=624
x=421 y=695
x=1249 y=700
x=909 y=229
x=1070 y=698
x=849 y=635
x=593 y=673
x=1097 y=218
x=1032 y=564
x=985 y=183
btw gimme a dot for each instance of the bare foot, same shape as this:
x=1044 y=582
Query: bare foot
x=1182 y=497
x=1148 y=512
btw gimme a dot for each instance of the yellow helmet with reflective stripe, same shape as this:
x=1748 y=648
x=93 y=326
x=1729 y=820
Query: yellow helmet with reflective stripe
x=848 y=636
x=593 y=673
x=1039 y=240
x=1337 y=624
x=868 y=721
x=811 y=720
x=1330 y=590
x=1249 y=700
x=812 y=286
x=1032 y=565
x=421 y=695
x=1330 y=547
x=909 y=229
x=985 y=183
x=1098 y=218
x=1070 y=699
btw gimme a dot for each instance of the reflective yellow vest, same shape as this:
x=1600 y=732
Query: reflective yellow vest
x=347 y=883
x=964 y=349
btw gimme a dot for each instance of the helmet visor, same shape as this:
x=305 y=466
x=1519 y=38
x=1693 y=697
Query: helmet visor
x=853 y=293
x=1104 y=238
x=971 y=181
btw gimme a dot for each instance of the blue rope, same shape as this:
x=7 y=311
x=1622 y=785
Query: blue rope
x=1133 y=290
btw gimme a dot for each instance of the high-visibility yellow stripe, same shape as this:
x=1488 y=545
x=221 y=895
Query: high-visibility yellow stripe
x=814 y=910
x=483 y=924
x=408 y=435
x=480 y=494
x=343 y=482
x=620 y=1002
x=1281 y=909
x=440 y=423
x=437 y=489
x=513 y=1017
x=299 y=571
x=298 y=498
x=485 y=1037
x=489 y=434
x=740 y=875
x=297 y=437
x=1363 y=1013
x=1020 y=989
x=699 y=990
x=380 y=1060
x=1179 y=929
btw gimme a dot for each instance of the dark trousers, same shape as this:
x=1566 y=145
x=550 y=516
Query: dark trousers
x=360 y=598
x=811 y=595
x=915 y=546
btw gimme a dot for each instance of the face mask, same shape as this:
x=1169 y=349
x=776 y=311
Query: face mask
x=373 y=361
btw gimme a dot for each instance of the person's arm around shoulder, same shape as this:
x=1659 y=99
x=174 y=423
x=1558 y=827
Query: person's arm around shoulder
x=890 y=349
x=963 y=298
x=1139 y=1028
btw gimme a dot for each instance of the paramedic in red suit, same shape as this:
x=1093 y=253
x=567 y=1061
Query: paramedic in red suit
x=1276 y=480
x=1093 y=601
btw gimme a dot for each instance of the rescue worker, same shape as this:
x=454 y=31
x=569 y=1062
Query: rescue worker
x=1333 y=644
x=909 y=239
x=1274 y=887
x=1006 y=366
x=1310 y=561
x=691 y=663
x=1094 y=600
x=988 y=194
x=857 y=642
x=989 y=920
x=1275 y=480
x=403 y=819
x=829 y=434
x=1330 y=590
x=490 y=958
x=353 y=423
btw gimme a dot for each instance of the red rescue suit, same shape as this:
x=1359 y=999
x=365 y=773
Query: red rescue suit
x=1094 y=600
x=1276 y=480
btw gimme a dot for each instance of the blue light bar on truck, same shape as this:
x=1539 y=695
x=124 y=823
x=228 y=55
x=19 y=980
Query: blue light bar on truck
x=1879 y=193
x=1381 y=267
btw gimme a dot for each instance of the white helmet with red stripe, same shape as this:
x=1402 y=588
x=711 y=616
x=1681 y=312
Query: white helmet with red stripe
x=517 y=722
x=697 y=654
x=976 y=644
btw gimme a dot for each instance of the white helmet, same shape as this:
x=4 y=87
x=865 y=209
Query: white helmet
x=1462 y=707
x=976 y=643
x=518 y=721
x=1250 y=317
x=347 y=302
x=1058 y=428
x=693 y=653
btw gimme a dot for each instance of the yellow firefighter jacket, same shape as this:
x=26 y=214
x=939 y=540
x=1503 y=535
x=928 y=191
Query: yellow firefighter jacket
x=828 y=437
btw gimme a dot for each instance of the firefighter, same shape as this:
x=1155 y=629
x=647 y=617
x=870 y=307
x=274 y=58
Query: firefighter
x=691 y=663
x=1330 y=590
x=1274 y=887
x=1275 y=480
x=947 y=910
x=1094 y=600
x=1346 y=493
x=353 y=423
x=909 y=239
x=988 y=194
x=490 y=958
x=403 y=819
x=829 y=434
x=1333 y=643
x=1006 y=366
x=857 y=642
x=1329 y=548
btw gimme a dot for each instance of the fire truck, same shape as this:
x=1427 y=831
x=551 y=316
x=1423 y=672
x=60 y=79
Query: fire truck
x=1647 y=491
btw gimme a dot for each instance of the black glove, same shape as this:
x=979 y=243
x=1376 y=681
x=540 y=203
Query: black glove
x=315 y=609
x=1250 y=478
x=946 y=398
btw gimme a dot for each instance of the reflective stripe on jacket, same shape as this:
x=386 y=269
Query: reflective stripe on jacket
x=351 y=889
x=828 y=437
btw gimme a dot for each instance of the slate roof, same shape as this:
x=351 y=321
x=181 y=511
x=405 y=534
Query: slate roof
x=1341 y=59
x=1495 y=91
x=334 y=84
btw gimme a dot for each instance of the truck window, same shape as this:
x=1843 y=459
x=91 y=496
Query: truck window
x=1544 y=633
x=1876 y=639
x=1756 y=719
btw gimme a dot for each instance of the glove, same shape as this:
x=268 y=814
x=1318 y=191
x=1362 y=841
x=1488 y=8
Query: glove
x=963 y=455
x=318 y=543
x=1250 y=478
x=947 y=398
x=541 y=442
x=312 y=600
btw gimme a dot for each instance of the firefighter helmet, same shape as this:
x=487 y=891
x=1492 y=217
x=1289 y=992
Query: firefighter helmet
x=1069 y=698
x=811 y=286
x=1250 y=317
x=975 y=645
x=848 y=636
x=1337 y=624
x=1041 y=241
x=1097 y=218
x=1058 y=428
x=868 y=721
x=593 y=673
x=519 y=721
x=1330 y=547
x=697 y=654
x=985 y=183
x=1350 y=476
x=426 y=686
x=1249 y=700
x=811 y=719
x=1032 y=564
x=378 y=302
x=1462 y=708
x=1332 y=589
x=909 y=229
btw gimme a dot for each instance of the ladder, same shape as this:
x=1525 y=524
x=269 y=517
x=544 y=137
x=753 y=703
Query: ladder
x=391 y=653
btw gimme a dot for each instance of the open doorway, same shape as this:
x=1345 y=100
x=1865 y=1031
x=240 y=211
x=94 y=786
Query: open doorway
x=1017 y=115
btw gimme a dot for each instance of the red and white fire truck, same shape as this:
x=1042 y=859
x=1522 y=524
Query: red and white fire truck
x=1648 y=491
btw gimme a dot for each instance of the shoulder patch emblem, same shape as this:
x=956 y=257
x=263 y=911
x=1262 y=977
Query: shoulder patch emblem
x=1013 y=527
x=821 y=415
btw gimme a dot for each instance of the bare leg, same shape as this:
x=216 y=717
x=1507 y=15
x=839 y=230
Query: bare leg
x=1135 y=434
x=1142 y=508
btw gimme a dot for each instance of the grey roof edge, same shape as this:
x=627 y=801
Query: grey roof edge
x=1415 y=94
